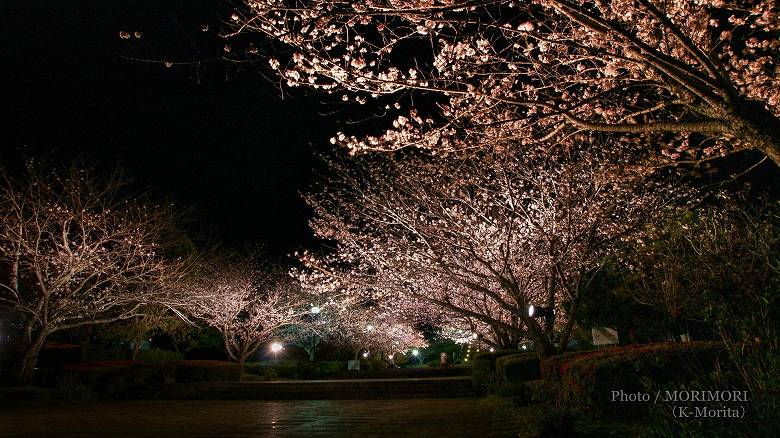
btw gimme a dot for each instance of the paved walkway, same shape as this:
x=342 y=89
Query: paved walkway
x=333 y=418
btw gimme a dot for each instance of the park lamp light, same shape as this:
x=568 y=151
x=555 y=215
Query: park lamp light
x=276 y=347
x=415 y=352
x=539 y=311
x=315 y=310
x=365 y=354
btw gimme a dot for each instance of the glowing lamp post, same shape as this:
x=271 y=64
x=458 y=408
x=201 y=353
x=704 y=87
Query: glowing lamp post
x=276 y=348
x=315 y=310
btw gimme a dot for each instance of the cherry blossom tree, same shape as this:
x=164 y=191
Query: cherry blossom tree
x=248 y=302
x=482 y=238
x=678 y=80
x=75 y=252
x=311 y=330
x=371 y=330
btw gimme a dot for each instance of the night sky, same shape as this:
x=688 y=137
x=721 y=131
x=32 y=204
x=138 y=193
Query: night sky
x=212 y=135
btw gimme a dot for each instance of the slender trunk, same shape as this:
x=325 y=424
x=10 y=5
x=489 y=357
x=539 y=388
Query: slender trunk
x=29 y=359
x=241 y=362
x=86 y=333
x=136 y=346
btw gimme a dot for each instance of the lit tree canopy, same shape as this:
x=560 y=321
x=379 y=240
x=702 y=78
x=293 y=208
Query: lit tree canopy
x=480 y=238
x=686 y=79
x=247 y=302
x=78 y=252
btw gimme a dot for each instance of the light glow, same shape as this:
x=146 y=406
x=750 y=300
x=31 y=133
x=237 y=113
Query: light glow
x=276 y=347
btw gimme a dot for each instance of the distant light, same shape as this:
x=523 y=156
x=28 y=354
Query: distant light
x=276 y=347
x=315 y=310
x=369 y=327
x=531 y=309
x=492 y=349
x=390 y=356
x=475 y=336
x=466 y=359
x=415 y=352
x=365 y=354
x=525 y=347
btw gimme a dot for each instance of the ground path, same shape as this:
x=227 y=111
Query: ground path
x=466 y=417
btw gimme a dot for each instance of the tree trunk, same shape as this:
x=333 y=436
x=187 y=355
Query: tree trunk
x=136 y=346
x=29 y=359
x=759 y=128
x=86 y=333
x=241 y=362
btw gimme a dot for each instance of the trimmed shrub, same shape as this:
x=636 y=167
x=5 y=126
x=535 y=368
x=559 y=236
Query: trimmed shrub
x=517 y=367
x=285 y=369
x=191 y=371
x=483 y=368
x=557 y=422
x=158 y=357
x=70 y=388
x=326 y=368
x=118 y=382
x=527 y=392
x=588 y=379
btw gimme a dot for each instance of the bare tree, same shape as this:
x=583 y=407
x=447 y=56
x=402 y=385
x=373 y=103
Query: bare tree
x=77 y=252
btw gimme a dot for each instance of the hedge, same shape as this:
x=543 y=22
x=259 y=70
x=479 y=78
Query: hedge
x=483 y=368
x=517 y=367
x=191 y=371
x=587 y=379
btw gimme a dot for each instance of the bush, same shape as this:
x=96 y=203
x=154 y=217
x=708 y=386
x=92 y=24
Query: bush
x=158 y=357
x=286 y=369
x=517 y=367
x=17 y=396
x=71 y=389
x=191 y=371
x=558 y=422
x=526 y=392
x=119 y=382
x=483 y=368
x=326 y=368
x=588 y=379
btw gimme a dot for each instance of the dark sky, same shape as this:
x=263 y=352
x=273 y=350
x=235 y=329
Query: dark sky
x=213 y=135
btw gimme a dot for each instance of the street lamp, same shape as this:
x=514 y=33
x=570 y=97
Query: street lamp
x=415 y=352
x=540 y=312
x=369 y=327
x=315 y=310
x=276 y=347
x=365 y=355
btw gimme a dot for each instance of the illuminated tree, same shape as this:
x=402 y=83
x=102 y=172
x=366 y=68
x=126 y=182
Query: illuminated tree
x=75 y=252
x=371 y=330
x=682 y=79
x=309 y=332
x=248 y=303
x=481 y=237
